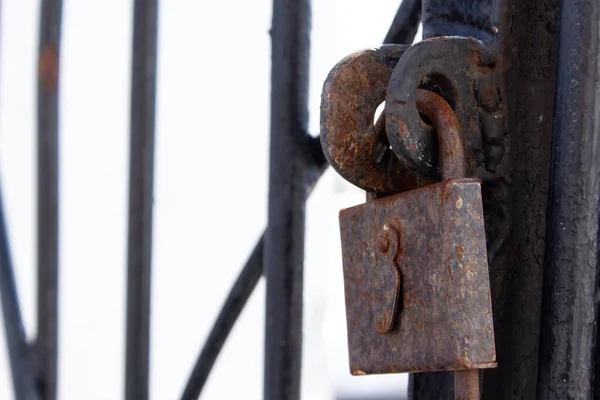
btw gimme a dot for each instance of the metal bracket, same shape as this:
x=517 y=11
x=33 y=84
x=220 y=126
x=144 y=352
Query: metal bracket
x=464 y=72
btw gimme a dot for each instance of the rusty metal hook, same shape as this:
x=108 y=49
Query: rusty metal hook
x=452 y=155
x=355 y=148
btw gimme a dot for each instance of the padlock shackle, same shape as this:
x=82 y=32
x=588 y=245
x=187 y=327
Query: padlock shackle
x=452 y=154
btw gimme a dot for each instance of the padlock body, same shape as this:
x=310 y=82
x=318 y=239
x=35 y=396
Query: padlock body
x=443 y=320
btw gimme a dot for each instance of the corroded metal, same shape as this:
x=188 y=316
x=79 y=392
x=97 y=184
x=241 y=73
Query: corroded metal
x=439 y=112
x=466 y=385
x=463 y=71
x=444 y=319
x=354 y=146
x=386 y=282
x=415 y=269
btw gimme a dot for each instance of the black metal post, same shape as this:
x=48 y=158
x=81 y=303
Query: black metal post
x=141 y=183
x=570 y=305
x=528 y=40
x=288 y=190
x=48 y=197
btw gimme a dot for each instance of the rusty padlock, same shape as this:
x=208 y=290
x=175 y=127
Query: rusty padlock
x=415 y=269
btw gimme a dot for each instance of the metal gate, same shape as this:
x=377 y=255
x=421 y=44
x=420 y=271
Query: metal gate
x=541 y=202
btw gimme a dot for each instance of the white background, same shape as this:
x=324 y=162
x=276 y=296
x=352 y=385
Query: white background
x=210 y=193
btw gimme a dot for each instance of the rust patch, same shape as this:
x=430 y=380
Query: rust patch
x=48 y=69
x=355 y=147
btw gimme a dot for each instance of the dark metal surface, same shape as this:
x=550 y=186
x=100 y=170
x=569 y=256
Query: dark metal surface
x=431 y=385
x=517 y=198
x=141 y=183
x=468 y=18
x=462 y=71
x=355 y=147
x=46 y=346
x=405 y=23
x=570 y=292
x=19 y=352
x=444 y=320
x=288 y=190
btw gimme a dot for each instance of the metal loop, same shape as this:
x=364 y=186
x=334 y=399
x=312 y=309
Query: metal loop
x=451 y=150
x=355 y=148
x=453 y=67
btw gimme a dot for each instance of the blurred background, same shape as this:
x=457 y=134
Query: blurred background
x=210 y=191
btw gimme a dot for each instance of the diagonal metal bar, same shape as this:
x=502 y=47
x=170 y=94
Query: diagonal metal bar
x=405 y=24
x=48 y=197
x=240 y=293
x=141 y=186
x=19 y=351
x=234 y=304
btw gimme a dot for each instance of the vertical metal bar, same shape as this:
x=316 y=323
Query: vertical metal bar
x=19 y=350
x=48 y=197
x=288 y=190
x=466 y=385
x=528 y=39
x=141 y=182
x=431 y=386
x=570 y=307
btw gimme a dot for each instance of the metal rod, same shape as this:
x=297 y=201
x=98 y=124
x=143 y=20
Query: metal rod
x=570 y=293
x=405 y=24
x=238 y=296
x=284 y=240
x=48 y=197
x=466 y=385
x=19 y=351
x=141 y=182
x=240 y=293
